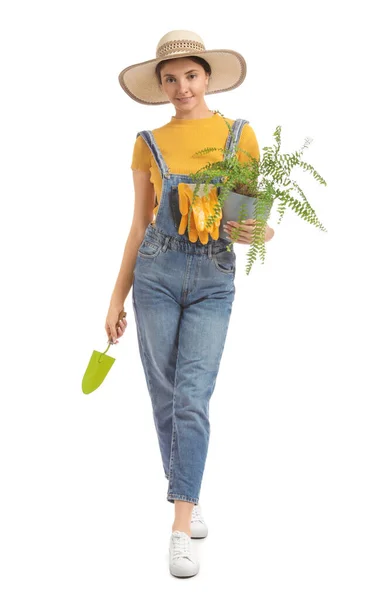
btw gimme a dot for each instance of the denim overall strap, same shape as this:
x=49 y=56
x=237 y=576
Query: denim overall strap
x=231 y=144
x=155 y=151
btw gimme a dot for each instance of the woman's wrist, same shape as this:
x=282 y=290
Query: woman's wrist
x=117 y=302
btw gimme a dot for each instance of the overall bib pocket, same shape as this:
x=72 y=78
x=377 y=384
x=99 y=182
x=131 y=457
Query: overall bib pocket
x=174 y=205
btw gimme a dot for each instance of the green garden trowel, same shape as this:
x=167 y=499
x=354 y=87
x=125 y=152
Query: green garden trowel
x=98 y=368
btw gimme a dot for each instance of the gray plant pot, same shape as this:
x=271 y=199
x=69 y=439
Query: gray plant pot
x=232 y=206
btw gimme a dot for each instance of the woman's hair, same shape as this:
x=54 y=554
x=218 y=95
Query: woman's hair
x=197 y=59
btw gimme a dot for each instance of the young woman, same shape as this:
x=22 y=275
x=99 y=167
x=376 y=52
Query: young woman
x=183 y=289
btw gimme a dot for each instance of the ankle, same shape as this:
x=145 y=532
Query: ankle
x=181 y=527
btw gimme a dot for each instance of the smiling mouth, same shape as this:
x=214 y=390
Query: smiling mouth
x=185 y=98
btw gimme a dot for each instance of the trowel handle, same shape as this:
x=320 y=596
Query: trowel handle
x=105 y=351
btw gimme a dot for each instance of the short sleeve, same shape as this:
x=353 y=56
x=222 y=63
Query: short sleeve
x=141 y=155
x=248 y=141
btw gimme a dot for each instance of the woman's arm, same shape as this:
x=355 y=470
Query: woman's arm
x=144 y=197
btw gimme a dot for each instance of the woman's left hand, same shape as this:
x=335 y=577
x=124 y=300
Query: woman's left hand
x=246 y=231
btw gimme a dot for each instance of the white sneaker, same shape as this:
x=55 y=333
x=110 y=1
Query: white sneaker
x=198 y=527
x=182 y=561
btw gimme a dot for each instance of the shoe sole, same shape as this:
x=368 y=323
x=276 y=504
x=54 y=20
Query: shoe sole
x=183 y=576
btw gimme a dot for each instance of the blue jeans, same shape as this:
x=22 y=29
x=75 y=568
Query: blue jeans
x=182 y=299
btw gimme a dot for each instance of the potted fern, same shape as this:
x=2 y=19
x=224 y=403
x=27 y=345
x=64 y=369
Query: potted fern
x=249 y=189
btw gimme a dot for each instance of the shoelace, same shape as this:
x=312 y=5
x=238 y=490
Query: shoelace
x=181 y=547
x=196 y=514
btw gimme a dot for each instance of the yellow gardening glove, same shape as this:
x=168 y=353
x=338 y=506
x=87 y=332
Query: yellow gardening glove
x=184 y=204
x=209 y=209
x=202 y=209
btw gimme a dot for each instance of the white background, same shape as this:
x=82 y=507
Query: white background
x=290 y=489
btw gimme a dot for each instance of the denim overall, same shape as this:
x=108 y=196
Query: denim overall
x=183 y=293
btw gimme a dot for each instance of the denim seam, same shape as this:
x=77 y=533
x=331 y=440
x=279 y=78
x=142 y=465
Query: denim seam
x=182 y=246
x=185 y=290
x=173 y=424
x=181 y=497
x=142 y=345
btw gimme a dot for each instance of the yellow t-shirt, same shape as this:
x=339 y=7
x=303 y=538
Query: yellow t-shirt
x=179 y=139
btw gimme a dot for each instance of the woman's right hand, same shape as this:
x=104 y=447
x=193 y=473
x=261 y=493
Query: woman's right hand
x=115 y=323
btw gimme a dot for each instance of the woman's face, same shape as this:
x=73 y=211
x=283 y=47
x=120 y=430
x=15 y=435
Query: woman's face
x=184 y=82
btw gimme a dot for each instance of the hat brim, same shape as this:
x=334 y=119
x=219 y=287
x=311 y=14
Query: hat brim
x=140 y=82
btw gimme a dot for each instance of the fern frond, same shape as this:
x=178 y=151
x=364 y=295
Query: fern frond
x=268 y=179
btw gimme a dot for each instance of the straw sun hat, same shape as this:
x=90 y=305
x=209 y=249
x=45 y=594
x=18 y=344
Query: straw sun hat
x=140 y=82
